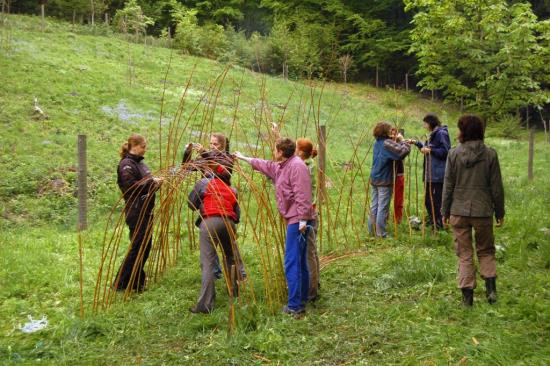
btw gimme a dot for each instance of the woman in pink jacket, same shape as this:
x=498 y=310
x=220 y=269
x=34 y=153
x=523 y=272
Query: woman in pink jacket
x=293 y=194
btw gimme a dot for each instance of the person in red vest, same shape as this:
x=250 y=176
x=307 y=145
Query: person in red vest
x=219 y=210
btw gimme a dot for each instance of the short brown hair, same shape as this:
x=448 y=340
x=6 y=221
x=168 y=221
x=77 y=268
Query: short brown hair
x=471 y=128
x=382 y=129
x=287 y=146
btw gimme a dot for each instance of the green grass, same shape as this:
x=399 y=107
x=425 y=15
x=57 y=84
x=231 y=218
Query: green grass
x=397 y=304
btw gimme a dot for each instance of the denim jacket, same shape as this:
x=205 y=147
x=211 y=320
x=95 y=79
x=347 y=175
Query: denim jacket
x=384 y=153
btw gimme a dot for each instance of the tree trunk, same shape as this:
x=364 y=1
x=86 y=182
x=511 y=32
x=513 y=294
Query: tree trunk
x=377 y=76
x=107 y=19
x=432 y=95
x=74 y=16
x=407 y=81
x=544 y=125
x=93 y=11
x=42 y=11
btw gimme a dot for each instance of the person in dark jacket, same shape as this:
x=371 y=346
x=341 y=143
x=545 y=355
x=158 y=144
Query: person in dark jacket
x=435 y=151
x=385 y=152
x=472 y=193
x=138 y=187
x=219 y=210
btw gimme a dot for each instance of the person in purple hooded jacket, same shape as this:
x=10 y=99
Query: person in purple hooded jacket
x=293 y=194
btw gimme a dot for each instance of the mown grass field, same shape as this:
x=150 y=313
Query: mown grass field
x=396 y=303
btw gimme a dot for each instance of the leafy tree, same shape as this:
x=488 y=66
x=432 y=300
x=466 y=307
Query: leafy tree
x=131 y=19
x=485 y=53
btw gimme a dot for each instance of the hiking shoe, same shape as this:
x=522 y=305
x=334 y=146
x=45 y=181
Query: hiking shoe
x=196 y=310
x=297 y=314
x=491 y=289
x=467 y=297
x=313 y=298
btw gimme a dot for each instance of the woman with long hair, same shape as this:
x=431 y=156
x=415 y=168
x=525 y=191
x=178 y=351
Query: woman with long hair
x=138 y=187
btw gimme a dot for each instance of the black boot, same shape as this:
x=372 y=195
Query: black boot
x=467 y=296
x=491 y=289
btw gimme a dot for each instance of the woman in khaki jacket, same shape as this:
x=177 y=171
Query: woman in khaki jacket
x=472 y=194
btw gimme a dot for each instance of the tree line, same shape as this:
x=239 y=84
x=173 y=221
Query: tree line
x=485 y=55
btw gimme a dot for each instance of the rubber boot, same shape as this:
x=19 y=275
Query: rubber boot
x=491 y=289
x=467 y=296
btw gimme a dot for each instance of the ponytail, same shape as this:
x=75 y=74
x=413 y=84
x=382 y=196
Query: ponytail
x=313 y=153
x=124 y=149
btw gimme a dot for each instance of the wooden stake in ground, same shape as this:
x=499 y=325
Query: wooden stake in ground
x=82 y=186
x=530 y=173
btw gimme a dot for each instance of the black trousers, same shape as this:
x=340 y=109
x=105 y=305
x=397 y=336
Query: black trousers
x=141 y=238
x=432 y=201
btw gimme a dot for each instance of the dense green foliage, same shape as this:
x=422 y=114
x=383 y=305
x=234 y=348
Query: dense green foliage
x=487 y=55
x=396 y=303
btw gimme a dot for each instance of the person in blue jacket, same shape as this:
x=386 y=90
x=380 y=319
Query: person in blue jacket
x=385 y=152
x=435 y=150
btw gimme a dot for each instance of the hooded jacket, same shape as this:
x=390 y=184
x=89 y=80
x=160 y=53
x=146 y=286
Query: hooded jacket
x=134 y=181
x=434 y=163
x=473 y=182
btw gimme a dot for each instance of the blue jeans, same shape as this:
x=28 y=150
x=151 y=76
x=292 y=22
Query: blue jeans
x=379 y=208
x=297 y=276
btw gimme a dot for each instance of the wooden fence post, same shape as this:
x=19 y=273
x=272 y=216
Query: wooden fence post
x=82 y=184
x=530 y=174
x=322 y=134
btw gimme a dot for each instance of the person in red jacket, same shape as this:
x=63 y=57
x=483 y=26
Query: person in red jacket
x=219 y=210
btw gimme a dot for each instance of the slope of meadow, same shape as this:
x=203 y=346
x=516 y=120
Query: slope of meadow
x=396 y=303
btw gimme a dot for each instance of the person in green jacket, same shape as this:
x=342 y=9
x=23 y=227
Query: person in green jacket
x=472 y=193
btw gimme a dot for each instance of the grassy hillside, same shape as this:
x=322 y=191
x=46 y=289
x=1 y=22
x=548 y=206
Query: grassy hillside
x=393 y=303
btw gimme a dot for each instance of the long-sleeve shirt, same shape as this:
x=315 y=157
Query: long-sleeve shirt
x=434 y=162
x=384 y=153
x=292 y=187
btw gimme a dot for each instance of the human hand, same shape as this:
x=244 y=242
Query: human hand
x=425 y=150
x=410 y=141
x=446 y=222
x=500 y=222
x=158 y=180
x=302 y=226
